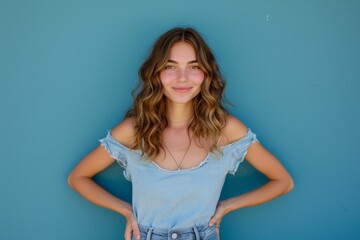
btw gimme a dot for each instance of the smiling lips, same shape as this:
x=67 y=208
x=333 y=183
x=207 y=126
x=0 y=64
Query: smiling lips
x=182 y=89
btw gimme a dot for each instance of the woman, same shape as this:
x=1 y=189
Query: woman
x=176 y=144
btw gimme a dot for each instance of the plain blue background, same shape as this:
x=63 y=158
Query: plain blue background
x=292 y=70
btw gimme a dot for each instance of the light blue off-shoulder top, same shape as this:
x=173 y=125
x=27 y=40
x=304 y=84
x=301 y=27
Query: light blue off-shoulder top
x=175 y=199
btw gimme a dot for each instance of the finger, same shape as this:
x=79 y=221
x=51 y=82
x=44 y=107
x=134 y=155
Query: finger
x=212 y=221
x=127 y=234
x=136 y=232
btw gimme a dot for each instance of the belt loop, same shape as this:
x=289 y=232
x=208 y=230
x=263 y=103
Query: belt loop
x=197 y=236
x=149 y=233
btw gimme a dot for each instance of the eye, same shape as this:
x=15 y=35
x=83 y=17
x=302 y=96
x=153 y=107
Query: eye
x=194 y=67
x=170 y=67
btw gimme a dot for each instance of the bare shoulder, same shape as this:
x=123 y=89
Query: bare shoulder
x=234 y=130
x=124 y=132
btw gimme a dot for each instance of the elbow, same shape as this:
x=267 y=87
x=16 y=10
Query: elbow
x=69 y=181
x=289 y=185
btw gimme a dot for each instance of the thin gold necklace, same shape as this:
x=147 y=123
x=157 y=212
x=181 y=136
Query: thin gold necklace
x=183 y=157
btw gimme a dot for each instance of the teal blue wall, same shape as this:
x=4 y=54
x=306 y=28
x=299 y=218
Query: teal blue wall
x=293 y=72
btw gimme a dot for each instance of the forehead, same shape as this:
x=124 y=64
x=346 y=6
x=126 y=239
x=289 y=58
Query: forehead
x=182 y=51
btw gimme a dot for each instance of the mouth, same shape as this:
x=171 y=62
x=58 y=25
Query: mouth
x=182 y=89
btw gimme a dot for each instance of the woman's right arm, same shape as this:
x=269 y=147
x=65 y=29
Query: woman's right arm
x=80 y=179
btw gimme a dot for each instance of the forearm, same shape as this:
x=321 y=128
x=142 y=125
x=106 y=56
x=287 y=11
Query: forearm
x=267 y=192
x=90 y=190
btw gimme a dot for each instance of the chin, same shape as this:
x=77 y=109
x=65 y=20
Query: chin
x=180 y=100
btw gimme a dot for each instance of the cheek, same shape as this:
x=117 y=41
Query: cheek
x=198 y=78
x=166 y=77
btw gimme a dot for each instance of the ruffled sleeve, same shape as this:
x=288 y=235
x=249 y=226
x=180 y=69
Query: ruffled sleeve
x=117 y=151
x=239 y=149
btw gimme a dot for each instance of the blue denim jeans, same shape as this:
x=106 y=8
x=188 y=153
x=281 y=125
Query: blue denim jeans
x=201 y=232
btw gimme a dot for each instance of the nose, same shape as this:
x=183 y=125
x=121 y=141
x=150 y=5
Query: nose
x=182 y=76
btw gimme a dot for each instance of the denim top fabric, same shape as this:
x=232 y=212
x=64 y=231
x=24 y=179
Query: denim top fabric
x=174 y=199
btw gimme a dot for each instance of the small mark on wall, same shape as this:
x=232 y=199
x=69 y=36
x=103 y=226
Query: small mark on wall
x=267 y=17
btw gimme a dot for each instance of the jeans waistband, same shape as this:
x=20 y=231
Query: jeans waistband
x=197 y=232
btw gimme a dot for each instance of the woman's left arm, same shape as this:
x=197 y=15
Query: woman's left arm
x=280 y=183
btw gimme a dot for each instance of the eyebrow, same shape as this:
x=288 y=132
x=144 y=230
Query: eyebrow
x=172 y=61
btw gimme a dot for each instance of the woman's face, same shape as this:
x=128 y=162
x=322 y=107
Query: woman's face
x=182 y=76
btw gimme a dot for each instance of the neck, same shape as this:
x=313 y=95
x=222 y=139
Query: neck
x=179 y=115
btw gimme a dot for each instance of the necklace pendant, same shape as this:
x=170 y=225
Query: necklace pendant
x=182 y=159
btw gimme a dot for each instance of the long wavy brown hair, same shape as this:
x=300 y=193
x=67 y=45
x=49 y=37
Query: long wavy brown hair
x=149 y=107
